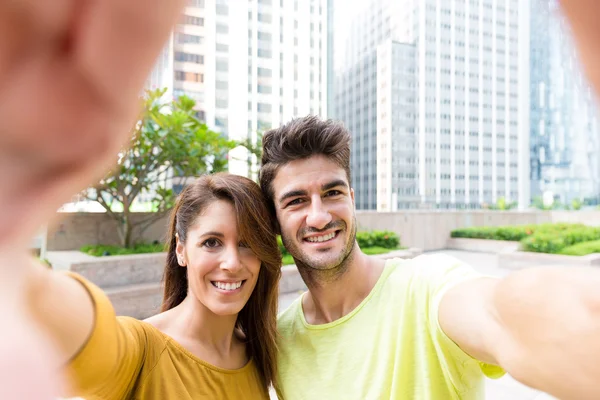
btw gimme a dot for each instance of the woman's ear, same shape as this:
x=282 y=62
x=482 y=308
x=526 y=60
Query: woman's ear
x=180 y=251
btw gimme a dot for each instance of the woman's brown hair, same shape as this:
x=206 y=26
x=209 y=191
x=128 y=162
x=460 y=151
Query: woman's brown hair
x=257 y=320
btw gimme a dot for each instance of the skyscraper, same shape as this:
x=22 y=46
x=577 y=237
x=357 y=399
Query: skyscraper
x=565 y=136
x=253 y=65
x=435 y=94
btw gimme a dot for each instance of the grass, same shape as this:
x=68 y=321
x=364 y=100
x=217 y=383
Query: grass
x=104 y=250
x=288 y=259
x=582 y=249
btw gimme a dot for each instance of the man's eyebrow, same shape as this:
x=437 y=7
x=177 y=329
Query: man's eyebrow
x=292 y=193
x=332 y=184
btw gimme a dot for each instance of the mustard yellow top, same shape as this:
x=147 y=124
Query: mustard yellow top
x=125 y=358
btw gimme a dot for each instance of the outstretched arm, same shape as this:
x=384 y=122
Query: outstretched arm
x=70 y=72
x=542 y=325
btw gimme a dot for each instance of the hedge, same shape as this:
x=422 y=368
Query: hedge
x=543 y=238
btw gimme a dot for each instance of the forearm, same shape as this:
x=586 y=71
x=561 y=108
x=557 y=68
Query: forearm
x=549 y=335
x=61 y=307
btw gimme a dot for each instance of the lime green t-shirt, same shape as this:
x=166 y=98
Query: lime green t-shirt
x=390 y=347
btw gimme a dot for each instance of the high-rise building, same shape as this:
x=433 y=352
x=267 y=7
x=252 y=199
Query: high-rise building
x=565 y=136
x=162 y=73
x=253 y=65
x=435 y=94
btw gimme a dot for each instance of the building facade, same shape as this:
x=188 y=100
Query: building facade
x=436 y=94
x=565 y=136
x=253 y=65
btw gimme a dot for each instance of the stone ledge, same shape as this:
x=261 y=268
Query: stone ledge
x=137 y=301
x=111 y=271
x=524 y=259
x=481 y=245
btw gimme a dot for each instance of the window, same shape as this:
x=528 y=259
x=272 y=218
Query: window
x=189 y=76
x=264 y=72
x=183 y=38
x=187 y=57
x=222 y=65
x=264 y=89
x=263 y=107
x=264 y=53
x=264 y=36
x=264 y=17
x=222 y=29
x=190 y=20
x=222 y=9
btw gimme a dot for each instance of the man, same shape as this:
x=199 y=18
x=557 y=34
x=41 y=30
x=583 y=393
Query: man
x=429 y=328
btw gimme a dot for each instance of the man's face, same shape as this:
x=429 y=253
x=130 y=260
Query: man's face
x=315 y=210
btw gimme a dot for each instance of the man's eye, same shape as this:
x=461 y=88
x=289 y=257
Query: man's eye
x=295 y=202
x=211 y=243
x=333 y=193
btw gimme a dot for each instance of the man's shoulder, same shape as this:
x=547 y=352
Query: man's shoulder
x=427 y=272
x=424 y=264
x=291 y=315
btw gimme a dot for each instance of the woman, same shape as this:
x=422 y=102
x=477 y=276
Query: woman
x=215 y=337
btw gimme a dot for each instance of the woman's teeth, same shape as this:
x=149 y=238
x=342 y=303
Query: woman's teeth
x=228 y=285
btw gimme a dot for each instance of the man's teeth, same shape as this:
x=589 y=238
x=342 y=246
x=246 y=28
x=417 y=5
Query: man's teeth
x=228 y=286
x=325 y=238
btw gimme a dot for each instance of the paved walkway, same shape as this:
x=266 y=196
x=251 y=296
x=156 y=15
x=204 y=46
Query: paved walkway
x=505 y=388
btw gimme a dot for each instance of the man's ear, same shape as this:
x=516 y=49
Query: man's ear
x=352 y=197
x=277 y=227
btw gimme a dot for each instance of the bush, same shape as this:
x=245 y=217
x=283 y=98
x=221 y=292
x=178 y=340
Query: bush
x=555 y=240
x=282 y=248
x=104 y=250
x=512 y=233
x=385 y=239
x=582 y=249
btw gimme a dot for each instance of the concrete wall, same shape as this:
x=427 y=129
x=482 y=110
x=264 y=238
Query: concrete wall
x=428 y=230
x=71 y=231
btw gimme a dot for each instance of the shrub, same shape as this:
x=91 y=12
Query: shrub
x=105 y=250
x=385 y=239
x=512 y=233
x=555 y=240
x=582 y=249
x=282 y=248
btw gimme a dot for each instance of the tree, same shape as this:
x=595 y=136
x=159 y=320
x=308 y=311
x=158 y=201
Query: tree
x=255 y=151
x=168 y=142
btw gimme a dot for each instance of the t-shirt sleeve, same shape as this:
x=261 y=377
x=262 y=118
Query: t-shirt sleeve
x=107 y=366
x=443 y=273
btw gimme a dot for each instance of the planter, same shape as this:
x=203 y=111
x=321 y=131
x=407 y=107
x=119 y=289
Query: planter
x=133 y=282
x=111 y=271
x=524 y=259
x=481 y=245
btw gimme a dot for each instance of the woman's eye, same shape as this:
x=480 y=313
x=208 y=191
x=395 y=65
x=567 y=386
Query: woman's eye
x=244 y=245
x=211 y=243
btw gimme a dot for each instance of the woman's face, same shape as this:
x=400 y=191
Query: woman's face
x=222 y=271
